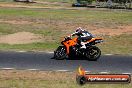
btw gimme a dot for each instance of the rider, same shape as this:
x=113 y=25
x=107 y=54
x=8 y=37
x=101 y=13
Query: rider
x=83 y=36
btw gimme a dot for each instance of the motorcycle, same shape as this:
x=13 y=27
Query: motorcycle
x=71 y=48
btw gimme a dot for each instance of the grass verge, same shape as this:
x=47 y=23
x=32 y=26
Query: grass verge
x=55 y=23
x=113 y=45
x=117 y=44
x=46 y=79
x=57 y=18
x=49 y=46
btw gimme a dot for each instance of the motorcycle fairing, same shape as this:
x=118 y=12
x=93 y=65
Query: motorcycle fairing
x=73 y=42
x=93 y=39
x=70 y=43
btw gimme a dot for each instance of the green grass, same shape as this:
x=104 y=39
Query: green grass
x=49 y=23
x=30 y=47
x=9 y=83
x=68 y=1
x=51 y=3
x=114 y=45
x=55 y=23
x=117 y=45
x=6 y=0
x=43 y=19
x=47 y=79
x=105 y=18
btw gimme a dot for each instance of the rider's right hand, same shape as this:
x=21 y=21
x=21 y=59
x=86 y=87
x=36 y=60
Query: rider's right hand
x=69 y=36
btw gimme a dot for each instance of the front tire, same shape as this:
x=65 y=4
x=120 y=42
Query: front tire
x=60 y=53
x=93 y=53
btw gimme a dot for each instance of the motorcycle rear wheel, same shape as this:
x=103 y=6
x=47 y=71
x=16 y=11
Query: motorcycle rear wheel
x=93 y=53
x=60 y=53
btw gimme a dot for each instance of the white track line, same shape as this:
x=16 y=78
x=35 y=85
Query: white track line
x=22 y=51
x=33 y=69
x=50 y=52
x=7 y=68
x=108 y=54
x=62 y=70
x=104 y=72
x=56 y=70
x=126 y=73
x=41 y=51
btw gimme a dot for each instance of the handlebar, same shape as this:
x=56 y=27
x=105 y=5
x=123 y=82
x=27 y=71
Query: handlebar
x=67 y=37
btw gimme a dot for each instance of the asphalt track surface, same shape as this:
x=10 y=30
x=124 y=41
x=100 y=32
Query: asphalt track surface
x=43 y=61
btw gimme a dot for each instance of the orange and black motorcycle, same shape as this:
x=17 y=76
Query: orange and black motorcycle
x=71 y=48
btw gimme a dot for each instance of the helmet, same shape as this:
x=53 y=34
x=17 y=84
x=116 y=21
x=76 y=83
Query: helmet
x=79 y=29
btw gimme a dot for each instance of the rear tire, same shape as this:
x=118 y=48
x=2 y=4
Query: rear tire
x=60 y=53
x=93 y=53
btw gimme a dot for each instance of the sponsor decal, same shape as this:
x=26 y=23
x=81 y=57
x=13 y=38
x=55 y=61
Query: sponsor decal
x=82 y=77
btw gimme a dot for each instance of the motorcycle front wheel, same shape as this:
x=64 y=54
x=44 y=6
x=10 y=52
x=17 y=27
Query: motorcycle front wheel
x=93 y=53
x=60 y=53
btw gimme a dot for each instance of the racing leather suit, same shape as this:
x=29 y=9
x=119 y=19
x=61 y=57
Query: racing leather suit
x=83 y=36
